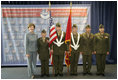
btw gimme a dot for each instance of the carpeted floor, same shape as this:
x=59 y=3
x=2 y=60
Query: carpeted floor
x=21 y=73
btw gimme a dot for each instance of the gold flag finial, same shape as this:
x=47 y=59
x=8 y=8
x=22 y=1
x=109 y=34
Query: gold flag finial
x=49 y=4
x=71 y=4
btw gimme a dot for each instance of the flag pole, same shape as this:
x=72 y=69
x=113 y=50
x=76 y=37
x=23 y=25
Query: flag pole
x=70 y=41
x=49 y=31
x=49 y=5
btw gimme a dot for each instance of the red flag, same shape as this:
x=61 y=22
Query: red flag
x=68 y=39
x=67 y=60
x=68 y=29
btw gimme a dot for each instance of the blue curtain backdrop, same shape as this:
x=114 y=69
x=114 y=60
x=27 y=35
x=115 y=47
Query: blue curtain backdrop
x=102 y=12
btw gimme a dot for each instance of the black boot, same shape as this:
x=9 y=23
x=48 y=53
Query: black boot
x=89 y=73
x=84 y=74
x=56 y=75
x=60 y=74
x=42 y=75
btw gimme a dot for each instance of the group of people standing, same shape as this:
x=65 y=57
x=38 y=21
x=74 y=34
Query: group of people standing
x=85 y=44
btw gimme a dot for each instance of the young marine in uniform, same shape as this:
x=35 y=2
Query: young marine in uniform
x=43 y=51
x=75 y=46
x=101 y=49
x=58 y=49
x=87 y=49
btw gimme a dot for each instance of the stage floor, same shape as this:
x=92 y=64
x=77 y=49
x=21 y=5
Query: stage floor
x=21 y=73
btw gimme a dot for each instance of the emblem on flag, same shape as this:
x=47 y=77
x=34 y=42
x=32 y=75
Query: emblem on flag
x=45 y=14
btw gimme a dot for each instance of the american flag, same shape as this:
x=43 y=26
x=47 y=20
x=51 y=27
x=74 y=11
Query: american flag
x=52 y=34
